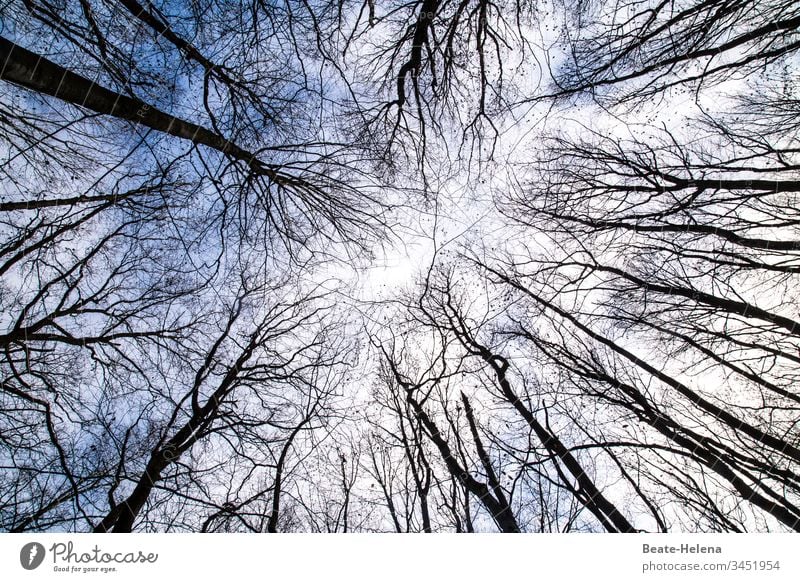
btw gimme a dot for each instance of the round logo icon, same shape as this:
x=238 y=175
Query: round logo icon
x=31 y=555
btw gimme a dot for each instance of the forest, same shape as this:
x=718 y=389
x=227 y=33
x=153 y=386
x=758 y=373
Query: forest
x=399 y=266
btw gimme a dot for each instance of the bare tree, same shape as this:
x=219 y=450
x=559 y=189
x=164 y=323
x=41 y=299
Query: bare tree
x=633 y=51
x=158 y=370
x=189 y=195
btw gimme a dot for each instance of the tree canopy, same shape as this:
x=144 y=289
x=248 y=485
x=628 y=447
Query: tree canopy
x=338 y=266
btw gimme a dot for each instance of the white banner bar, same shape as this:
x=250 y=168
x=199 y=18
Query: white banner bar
x=387 y=557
